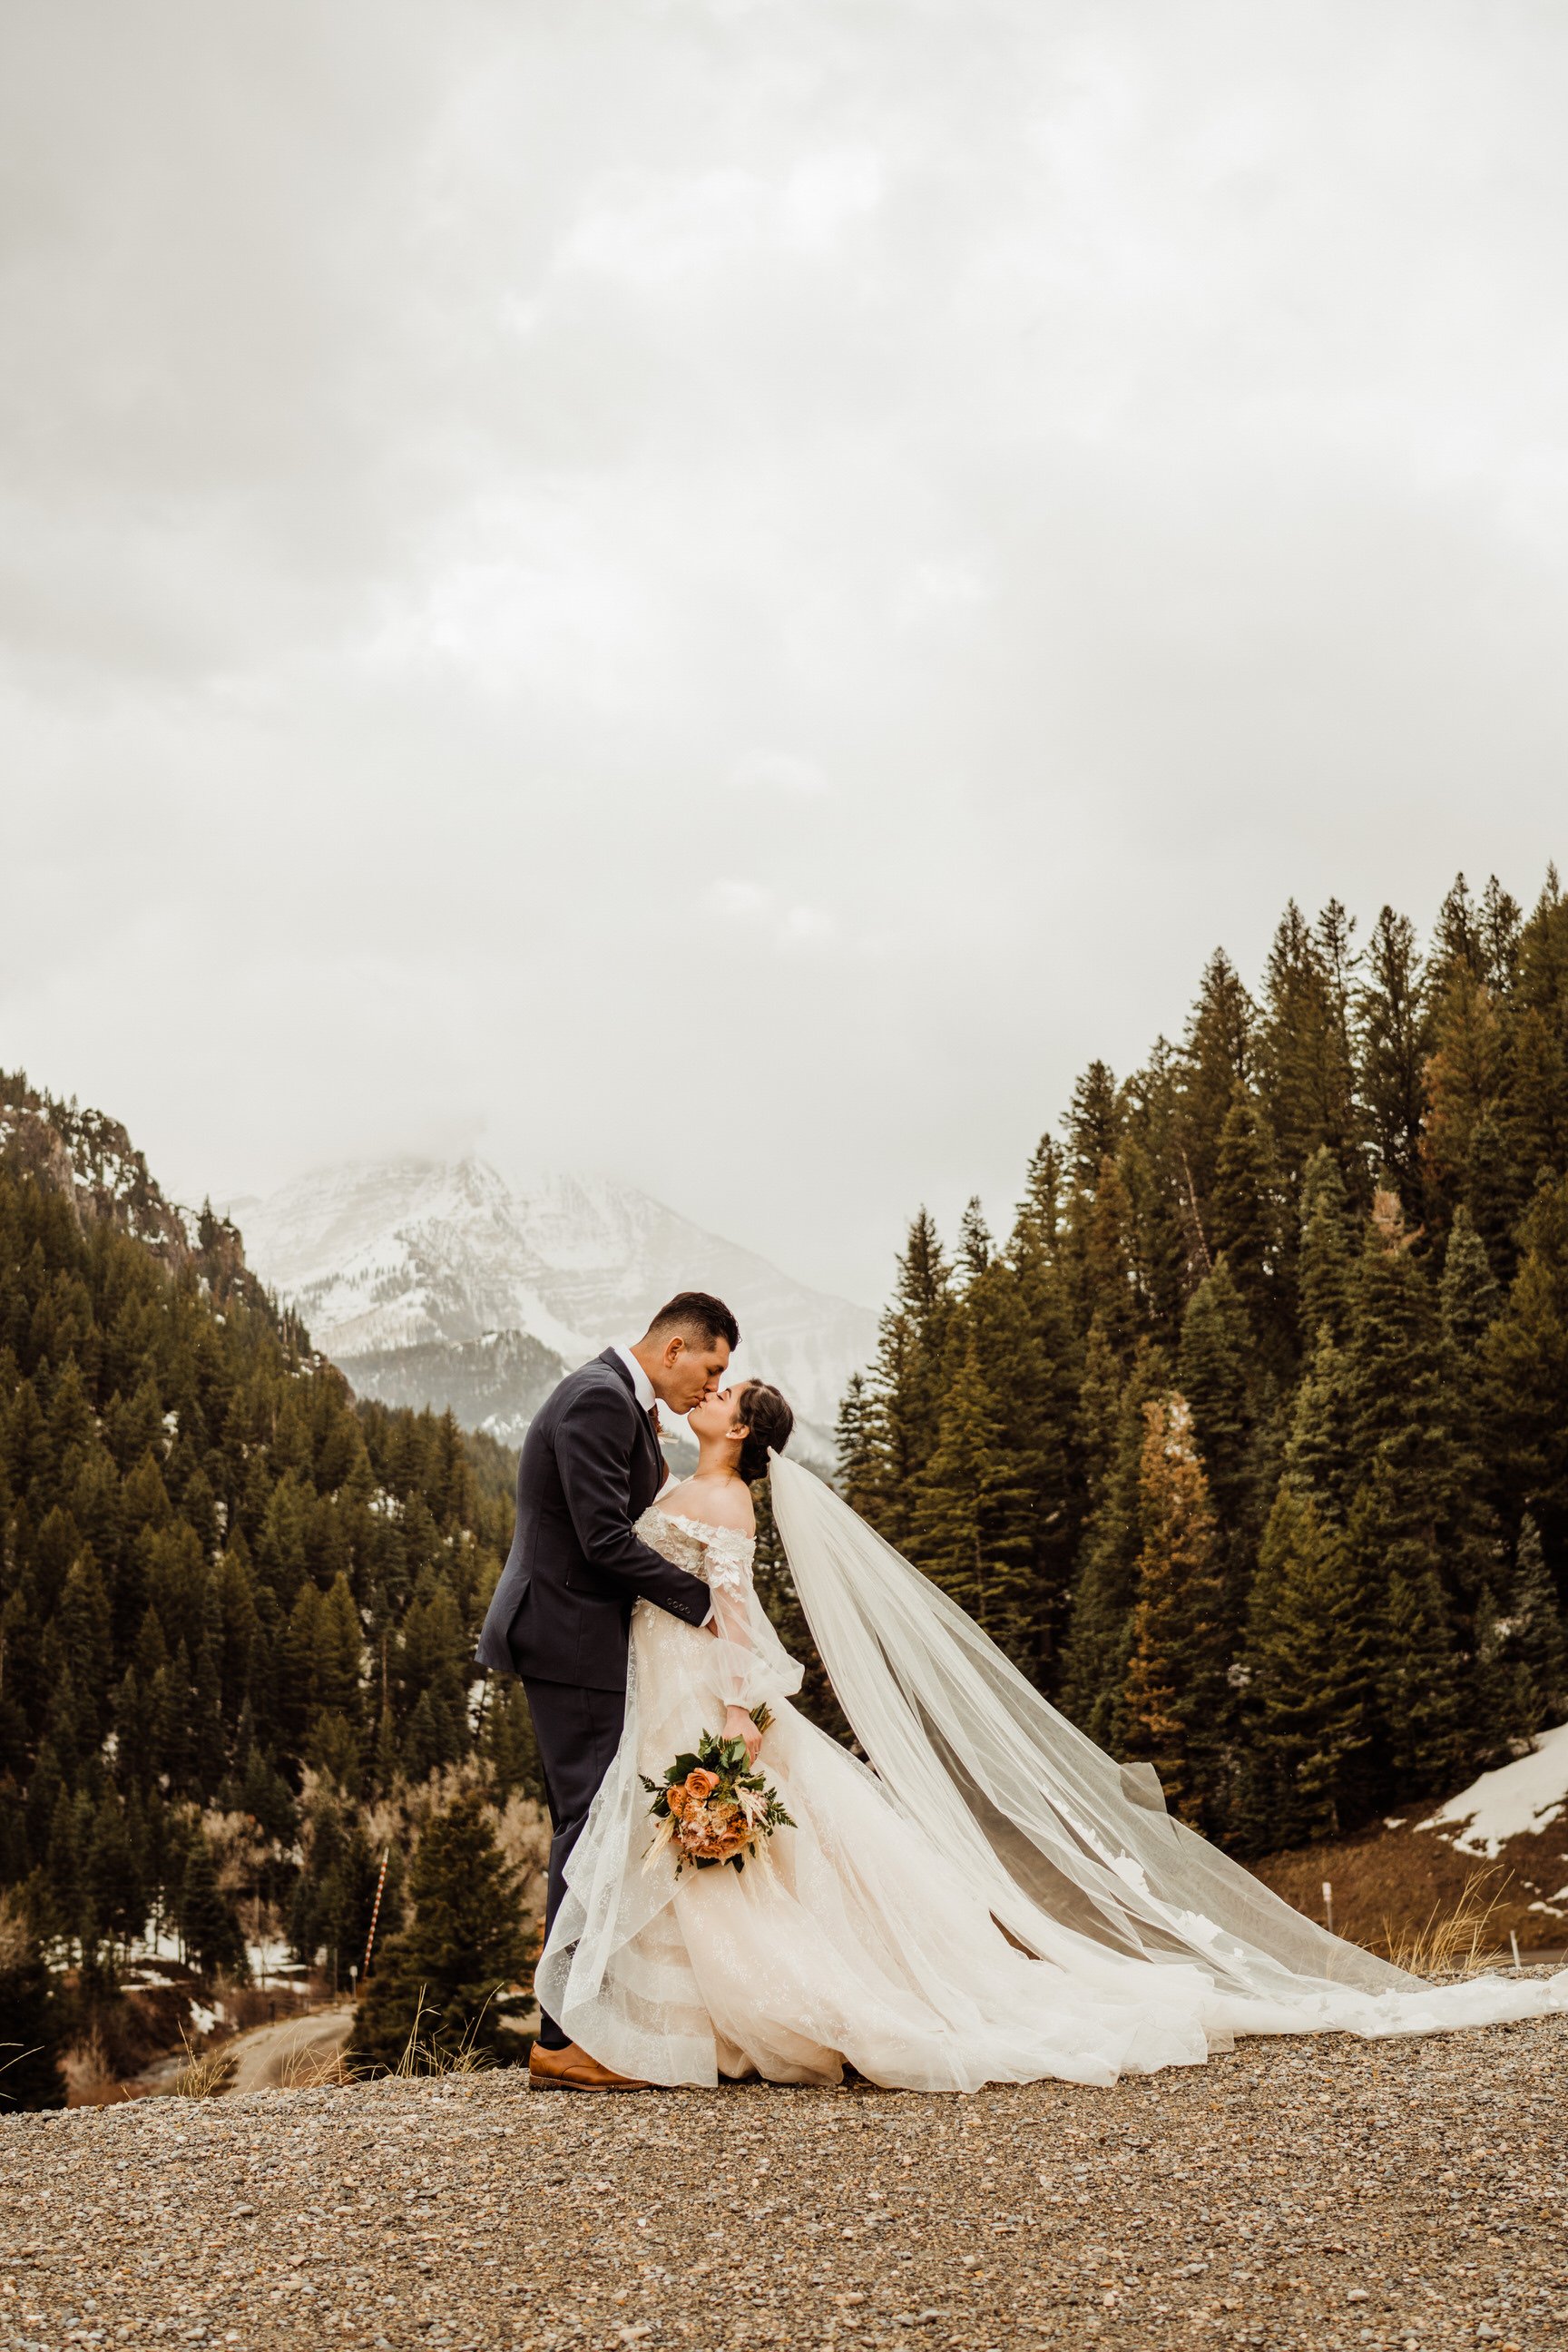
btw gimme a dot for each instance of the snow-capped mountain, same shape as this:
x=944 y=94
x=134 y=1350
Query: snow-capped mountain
x=402 y=1268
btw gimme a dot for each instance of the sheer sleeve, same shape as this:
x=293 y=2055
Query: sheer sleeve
x=729 y=1582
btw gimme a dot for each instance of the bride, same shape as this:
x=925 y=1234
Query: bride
x=993 y=1900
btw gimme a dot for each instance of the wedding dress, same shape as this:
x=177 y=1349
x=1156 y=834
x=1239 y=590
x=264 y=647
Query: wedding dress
x=993 y=1899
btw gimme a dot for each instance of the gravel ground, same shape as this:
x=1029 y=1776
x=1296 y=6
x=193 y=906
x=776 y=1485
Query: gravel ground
x=1295 y=2193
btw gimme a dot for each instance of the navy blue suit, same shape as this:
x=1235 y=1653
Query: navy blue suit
x=561 y=1614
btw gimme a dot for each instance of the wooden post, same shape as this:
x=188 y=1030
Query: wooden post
x=1329 y=1905
x=374 y=1914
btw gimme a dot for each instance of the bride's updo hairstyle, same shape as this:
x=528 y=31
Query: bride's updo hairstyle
x=769 y=1421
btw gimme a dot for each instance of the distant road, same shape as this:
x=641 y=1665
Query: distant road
x=287 y=2054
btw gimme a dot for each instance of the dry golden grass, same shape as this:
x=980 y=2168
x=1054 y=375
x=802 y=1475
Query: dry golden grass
x=314 y=2070
x=205 y=2074
x=424 y=2057
x=1457 y=1939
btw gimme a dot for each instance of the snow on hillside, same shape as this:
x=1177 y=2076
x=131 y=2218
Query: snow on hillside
x=386 y=1258
x=1516 y=1801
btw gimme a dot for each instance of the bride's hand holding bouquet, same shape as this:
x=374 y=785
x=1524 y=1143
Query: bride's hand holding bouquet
x=710 y=1807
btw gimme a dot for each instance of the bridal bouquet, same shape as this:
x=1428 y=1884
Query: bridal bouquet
x=711 y=1807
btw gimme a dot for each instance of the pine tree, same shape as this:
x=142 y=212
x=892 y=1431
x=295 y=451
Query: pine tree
x=1177 y=1705
x=977 y=1511
x=1401 y=1453
x=1536 y=1633
x=1313 y=1653
x=1217 y=1369
x=1100 y=1632
x=1463 y=1075
x=1327 y=1252
x=904 y=1409
x=1526 y=1360
x=1244 y=1223
x=1469 y=1301
x=1493 y=1194
x=1501 y=1708
x=1393 y=1026
x=1319 y=1459
x=441 y=1985
x=974 y=1243
x=1094 y=1122
x=341 y=1638
x=1218 y=1057
x=1306 y=1061
x=1419 y=1692
x=209 y=1926
x=1102 y=1233
x=858 y=1448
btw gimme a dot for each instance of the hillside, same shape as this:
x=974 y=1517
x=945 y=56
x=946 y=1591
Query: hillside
x=439 y=1283
x=1492 y=1861
x=1249 y=1441
x=237 y=1605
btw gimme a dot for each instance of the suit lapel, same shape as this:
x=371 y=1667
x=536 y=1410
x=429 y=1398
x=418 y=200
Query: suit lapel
x=650 y=1447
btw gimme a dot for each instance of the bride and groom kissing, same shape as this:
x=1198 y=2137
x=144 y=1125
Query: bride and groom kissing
x=988 y=1897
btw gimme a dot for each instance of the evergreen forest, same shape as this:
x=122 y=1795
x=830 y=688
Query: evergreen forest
x=238 y=1607
x=1248 y=1442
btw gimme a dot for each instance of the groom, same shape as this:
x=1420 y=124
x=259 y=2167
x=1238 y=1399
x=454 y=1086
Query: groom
x=562 y=1611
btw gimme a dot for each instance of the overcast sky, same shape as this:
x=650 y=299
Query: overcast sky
x=727 y=591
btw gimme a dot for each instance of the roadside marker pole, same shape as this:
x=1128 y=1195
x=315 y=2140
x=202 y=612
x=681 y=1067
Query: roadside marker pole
x=1329 y=1906
x=374 y=1914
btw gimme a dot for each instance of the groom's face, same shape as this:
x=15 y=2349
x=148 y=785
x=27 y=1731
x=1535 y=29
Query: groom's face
x=690 y=1370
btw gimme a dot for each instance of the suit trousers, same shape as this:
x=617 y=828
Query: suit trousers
x=578 y=1732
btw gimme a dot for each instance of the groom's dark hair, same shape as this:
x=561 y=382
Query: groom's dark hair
x=698 y=1315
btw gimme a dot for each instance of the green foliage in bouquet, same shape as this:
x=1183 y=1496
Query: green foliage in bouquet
x=711 y=1806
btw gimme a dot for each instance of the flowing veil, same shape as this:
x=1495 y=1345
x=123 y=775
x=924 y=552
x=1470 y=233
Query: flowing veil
x=1075 y=1856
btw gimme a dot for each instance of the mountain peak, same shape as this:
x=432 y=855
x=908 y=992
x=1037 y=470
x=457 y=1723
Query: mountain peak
x=401 y=1266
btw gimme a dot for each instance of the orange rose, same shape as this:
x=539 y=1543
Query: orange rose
x=701 y=1783
x=676 y=1800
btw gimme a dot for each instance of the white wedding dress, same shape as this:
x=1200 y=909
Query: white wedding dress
x=996 y=1901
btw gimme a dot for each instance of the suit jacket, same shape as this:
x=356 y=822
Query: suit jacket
x=591 y=1465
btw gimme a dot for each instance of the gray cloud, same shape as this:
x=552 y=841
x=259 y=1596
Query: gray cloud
x=728 y=592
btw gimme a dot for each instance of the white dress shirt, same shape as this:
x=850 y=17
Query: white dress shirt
x=642 y=1387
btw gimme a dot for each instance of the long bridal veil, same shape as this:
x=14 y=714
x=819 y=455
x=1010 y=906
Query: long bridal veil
x=1075 y=1856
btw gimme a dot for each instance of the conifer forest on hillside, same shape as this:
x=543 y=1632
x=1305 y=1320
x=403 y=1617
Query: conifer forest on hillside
x=1248 y=1442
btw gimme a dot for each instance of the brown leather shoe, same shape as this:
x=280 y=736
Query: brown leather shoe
x=573 y=2070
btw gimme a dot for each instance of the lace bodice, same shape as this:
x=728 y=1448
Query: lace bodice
x=721 y=1557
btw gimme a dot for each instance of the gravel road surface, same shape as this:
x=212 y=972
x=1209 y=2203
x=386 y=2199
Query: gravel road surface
x=1295 y=2193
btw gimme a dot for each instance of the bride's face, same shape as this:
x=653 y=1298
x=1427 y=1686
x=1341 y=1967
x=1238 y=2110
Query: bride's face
x=717 y=1415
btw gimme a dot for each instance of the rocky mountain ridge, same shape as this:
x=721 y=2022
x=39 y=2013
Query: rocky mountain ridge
x=90 y=1160
x=441 y=1283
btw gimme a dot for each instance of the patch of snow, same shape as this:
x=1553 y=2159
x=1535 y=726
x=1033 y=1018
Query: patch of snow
x=271 y=1957
x=1395 y=1820
x=1515 y=1801
x=164 y=1946
x=202 y=2018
